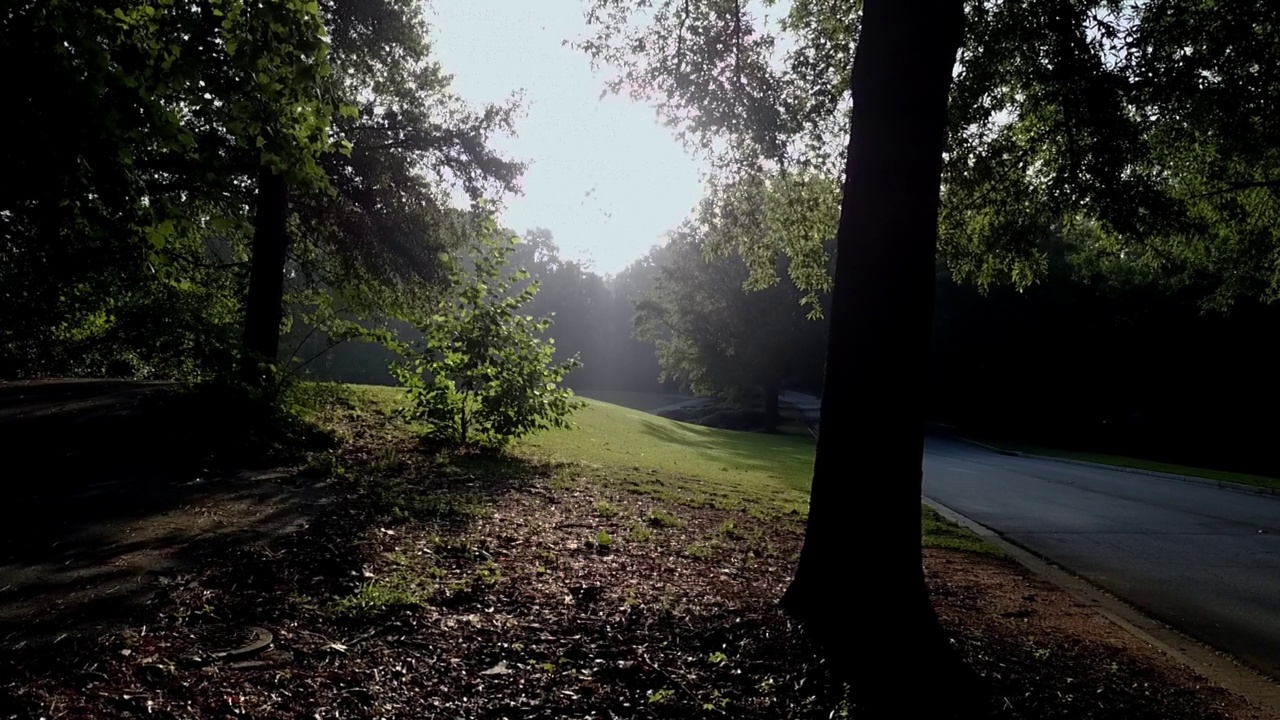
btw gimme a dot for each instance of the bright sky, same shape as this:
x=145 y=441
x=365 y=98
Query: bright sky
x=604 y=176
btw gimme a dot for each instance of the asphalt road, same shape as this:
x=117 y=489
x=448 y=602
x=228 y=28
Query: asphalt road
x=1205 y=561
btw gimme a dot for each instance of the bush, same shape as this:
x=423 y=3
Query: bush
x=484 y=375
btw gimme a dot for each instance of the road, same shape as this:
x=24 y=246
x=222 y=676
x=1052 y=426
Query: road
x=1205 y=561
x=805 y=407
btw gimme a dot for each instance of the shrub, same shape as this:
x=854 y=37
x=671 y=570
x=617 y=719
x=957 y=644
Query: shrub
x=485 y=375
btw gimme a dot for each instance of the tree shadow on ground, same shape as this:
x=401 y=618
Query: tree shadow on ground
x=79 y=453
x=107 y=538
x=101 y=569
x=750 y=450
x=105 y=480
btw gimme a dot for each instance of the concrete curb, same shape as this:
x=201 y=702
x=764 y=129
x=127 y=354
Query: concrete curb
x=1218 y=667
x=1221 y=484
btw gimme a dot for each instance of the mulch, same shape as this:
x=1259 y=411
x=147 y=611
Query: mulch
x=553 y=598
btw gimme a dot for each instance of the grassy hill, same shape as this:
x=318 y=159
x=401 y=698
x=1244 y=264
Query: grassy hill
x=765 y=475
x=691 y=463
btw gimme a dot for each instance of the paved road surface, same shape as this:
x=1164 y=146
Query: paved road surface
x=806 y=407
x=1204 y=560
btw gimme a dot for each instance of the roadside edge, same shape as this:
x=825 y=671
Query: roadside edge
x=1222 y=484
x=1215 y=666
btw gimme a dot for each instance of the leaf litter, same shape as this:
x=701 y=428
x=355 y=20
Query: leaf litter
x=487 y=593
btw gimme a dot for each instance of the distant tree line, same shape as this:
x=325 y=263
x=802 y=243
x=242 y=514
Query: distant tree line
x=591 y=315
x=1104 y=355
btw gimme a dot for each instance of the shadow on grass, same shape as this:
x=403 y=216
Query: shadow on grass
x=778 y=455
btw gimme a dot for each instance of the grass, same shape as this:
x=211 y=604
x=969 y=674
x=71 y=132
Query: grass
x=381 y=400
x=660 y=518
x=679 y=461
x=690 y=464
x=767 y=474
x=939 y=532
x=1141 y=464
x=404 y=584
x=606 y=509
x=639 y=533
x=636 y=400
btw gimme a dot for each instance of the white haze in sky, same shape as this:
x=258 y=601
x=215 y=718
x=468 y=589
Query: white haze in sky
x=604 y=176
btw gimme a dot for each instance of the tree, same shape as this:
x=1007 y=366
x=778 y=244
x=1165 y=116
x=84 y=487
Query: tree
x=873 y=398
x=373 y=245
x=873 y=402
x=592 y=315
x=1103 y=355
x=164 y=132
x=483 y=375
x=97 y=228
x=874 y=394
x=632 y=363
x=1096 y=111
x=379 y=219
x=575 y=299
x=717 y=336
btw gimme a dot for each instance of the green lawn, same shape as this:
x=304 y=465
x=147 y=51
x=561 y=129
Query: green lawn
x=768 y=475
x=380 y=399
x=647 y=402
x=1140 y=464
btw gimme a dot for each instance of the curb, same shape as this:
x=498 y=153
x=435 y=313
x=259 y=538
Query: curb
x=1216 y=666
x=1220 y=484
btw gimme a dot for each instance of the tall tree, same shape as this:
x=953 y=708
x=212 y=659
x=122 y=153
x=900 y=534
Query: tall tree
x=378 y=218
x=715 y=334
x=164 y=132
x=873 y=401
x=1111 y=112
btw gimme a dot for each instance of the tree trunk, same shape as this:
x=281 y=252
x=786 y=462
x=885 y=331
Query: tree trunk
x=772 y=417
x=264 y=306
x=864 y=510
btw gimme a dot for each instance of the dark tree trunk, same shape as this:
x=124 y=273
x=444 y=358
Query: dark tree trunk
x=864 y=511
x=264 y=306
x=772 y=417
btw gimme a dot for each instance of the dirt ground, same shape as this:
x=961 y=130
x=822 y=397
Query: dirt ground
x=110 y=485
x=481 y=589
x=406 y=585
x=72 y=576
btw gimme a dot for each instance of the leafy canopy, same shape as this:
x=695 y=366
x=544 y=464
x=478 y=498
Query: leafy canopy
x=1154 y=121
x=126 y=211
x=716 y=337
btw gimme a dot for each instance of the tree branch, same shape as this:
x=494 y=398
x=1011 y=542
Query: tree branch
x=1237 y=187
x=737 y=50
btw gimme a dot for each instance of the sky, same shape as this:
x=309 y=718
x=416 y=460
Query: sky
x=604 y=176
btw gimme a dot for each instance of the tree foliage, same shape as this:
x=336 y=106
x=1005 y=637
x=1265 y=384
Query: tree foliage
x=483 y=374
x=714 y=335
x=1153 y=121
x=1102 y=356
x=128 y=211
